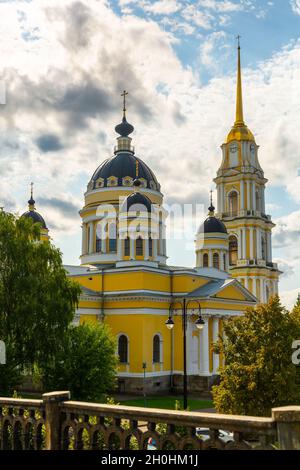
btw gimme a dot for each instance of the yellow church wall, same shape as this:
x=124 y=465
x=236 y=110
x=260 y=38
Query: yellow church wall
x=92 y=281
x=140 y=330
x=89 y=304
x=136 y=281
x=88 y=319
x=231 y=293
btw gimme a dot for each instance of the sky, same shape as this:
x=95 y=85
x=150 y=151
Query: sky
x=64 y=65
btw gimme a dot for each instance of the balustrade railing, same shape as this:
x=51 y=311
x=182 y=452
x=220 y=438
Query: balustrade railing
x=56 y=423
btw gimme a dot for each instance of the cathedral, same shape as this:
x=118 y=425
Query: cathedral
x=125 y=279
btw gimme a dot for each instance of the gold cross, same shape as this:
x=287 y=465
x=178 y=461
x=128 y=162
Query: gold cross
x=124 y=100
x=238 y=40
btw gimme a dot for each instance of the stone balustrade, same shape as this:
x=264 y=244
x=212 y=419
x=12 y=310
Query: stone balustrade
x=56 y=422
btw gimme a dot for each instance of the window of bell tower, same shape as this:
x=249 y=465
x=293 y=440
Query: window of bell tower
x=205 y=260
x=233 y=250
x=233 y=203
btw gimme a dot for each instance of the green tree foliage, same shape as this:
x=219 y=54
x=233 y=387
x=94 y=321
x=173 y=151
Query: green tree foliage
x=85 y=365
x=37 y=300
x=258 y=372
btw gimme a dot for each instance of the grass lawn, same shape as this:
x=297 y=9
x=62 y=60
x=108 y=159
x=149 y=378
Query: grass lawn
x=168 y=402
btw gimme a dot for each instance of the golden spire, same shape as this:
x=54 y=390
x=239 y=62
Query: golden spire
x=239 y=130
x=239 y=118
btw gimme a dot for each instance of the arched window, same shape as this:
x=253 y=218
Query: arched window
x=126 y=247
x=98 y=243
x=233 y=203
x=156 y=349
x=150 y=247
x=224 y=262
x=123 y=349
x=216 y=263
x=139 y=247
x=233 y=250
x=112 y=236
x=205 y=260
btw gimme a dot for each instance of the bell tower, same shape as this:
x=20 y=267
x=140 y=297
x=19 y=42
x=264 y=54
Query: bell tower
x=241 y=206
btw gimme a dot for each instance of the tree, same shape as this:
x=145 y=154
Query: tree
x=258 y=373
x=37 y=300
x=85 y=365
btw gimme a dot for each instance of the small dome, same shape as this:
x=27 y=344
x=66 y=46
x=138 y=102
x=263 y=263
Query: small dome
x=36 y=217
x=124 y=129
x=136 y=202
x=212 y=225
x=121 y=165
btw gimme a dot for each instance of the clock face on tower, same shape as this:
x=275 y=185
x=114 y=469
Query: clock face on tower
x=233 y=148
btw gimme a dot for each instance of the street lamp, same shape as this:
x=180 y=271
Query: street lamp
x=199 y=324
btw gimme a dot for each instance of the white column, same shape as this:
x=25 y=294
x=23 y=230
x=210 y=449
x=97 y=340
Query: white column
x=253 y=196
x=258 y=243
x=269 y=246
x=204 y=346
x=222 y=198
x=222 y=260
x=210 y=259
x=251 y=243
x=244 y=242
x=248 y=195
x=83 y=246
x=146 y=245
x=154 y=247
x=216 y=357
x=132 y=243
x=91 y=240
x=246 y=283
x=263 y=209
x=242 y=202
x=218 y=199
x=240 y=243
x=262 y=290
x=254 y=285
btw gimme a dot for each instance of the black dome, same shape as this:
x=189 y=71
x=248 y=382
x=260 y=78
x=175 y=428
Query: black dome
x=121 y=165
x=211 y=225
x=36 y=217
x=124 y=129
x=136 y=202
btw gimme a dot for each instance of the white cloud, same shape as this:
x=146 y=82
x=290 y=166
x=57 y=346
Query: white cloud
x=295 y=4
x=289 y=297
x=163 y=7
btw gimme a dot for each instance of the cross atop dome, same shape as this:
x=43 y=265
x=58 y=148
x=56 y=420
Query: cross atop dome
x=124 y=128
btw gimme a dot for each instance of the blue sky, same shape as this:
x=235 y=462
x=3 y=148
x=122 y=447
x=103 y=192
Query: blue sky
x=64 y=64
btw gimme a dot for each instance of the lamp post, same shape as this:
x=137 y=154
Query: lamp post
x=199 y=324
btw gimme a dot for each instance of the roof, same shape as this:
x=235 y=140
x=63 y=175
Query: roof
x=125 y=164
x=36 y=217
x=211 y=288
x=212 y=225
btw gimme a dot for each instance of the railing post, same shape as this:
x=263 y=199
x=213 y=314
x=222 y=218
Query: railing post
x=288 y=427
x=52 y=419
